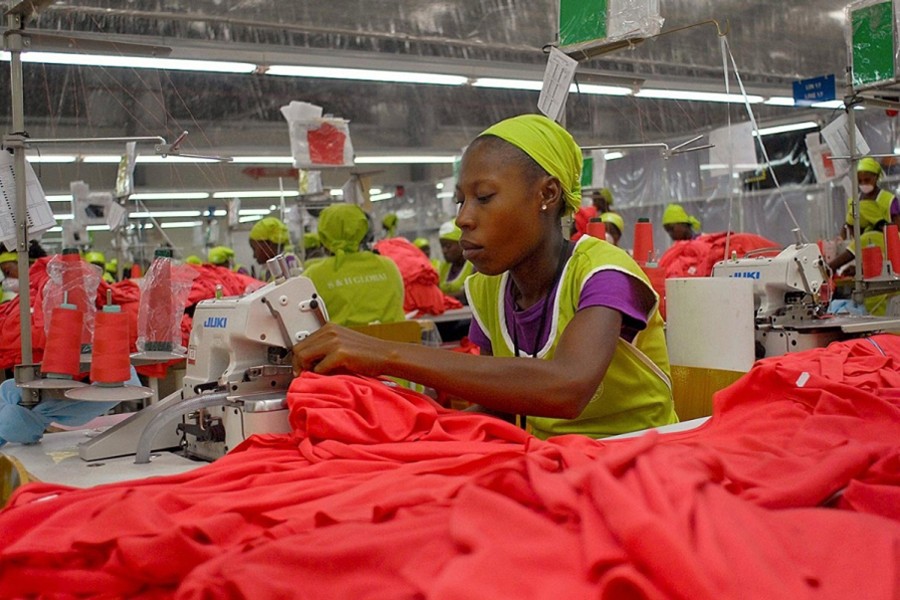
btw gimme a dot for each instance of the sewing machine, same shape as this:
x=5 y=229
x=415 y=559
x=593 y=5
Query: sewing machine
x=790 y=296
x=238 y=372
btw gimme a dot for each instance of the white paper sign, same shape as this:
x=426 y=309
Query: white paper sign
x=38 y=214
x=558 y=78
x=837 y=136
x=733 y=149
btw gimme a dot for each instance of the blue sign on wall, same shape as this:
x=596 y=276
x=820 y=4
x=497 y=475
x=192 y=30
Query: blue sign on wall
x=817 y=89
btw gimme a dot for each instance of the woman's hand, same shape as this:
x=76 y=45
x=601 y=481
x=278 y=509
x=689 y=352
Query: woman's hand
x=334 y=348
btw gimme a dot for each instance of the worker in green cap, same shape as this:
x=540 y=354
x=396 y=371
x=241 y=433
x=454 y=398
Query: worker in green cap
x=678 y=224
x=97 y=258
x=615 y=225
x=269 y=237
x=389 y=225
x=454 y=269
x=877 y=208
x=9 y=266
x=312 y=248
x=193 y=259
x=586 y=311
x=111 y=267
x=424 y=244
x=357 y=286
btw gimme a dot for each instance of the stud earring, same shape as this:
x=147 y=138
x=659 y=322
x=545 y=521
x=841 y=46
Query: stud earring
x=543 y=207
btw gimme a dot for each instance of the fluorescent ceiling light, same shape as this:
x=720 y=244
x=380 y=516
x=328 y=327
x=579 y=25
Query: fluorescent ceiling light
x=170 y=196
x=249 y=219
x=98 y=228
x=779 y=101
x=63 y=217
x=788 y=127
x=180 y=224
x=443 y=195
x=54 y=230
x=536 y=85
x=162 y=214
x=375 y=191
x=696 y=96
x=366 y=75
x=59 y=198
x=145 y=158
x=336 y=192
x=134 y=62
x=250 y=211
x=51 y=158
x=404 y=160
x=612 y=155
x=380 y=197
x=508 y=84
x=256 y=194
x=831 y=104
x=258 y=160
x=724 y=167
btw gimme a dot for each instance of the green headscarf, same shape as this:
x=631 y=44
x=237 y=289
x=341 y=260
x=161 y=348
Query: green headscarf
x=449 y=231
x=550 y=146
x=675 y=213
x=220 y=255
x=342 y=228
x=270 y=229
x=311 y=241
x=869 y=165
x=389 y=223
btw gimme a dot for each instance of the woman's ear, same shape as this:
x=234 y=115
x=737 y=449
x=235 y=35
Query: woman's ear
x=551 y=195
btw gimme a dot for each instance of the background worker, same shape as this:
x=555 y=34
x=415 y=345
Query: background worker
x=223 y=256
x=877 y=208
x=269 y=237
x=358 y=287
x=601 y=202
x=678 y=224
x=586 y=311
x=389 y=225
x=9 y=266
x=615 y=225
x=454 y=269
x=97 y=258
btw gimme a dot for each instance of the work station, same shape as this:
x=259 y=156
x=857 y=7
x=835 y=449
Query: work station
x=487 y=299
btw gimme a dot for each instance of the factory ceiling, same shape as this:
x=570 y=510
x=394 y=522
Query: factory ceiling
x=773 y=43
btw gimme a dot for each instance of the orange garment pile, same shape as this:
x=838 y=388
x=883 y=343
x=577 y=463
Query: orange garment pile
x=790 y=491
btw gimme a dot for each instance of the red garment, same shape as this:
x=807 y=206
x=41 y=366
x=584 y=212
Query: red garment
x=583 y=216
x=420 y=281
x=379 y=493
x=696 y=257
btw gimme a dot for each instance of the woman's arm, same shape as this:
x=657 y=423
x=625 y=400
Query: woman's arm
x=558 y=388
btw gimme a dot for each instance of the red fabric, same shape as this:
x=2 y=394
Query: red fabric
x=420 y=281
x=583 y=216
x=695 y=258
x=379 y=493
x=326 y=145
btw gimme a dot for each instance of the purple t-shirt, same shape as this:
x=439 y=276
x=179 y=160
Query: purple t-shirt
x=609 y=288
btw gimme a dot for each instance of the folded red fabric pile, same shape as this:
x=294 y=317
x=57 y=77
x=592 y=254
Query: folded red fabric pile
x=789 y=491
x=420 y=281
x=696 y=258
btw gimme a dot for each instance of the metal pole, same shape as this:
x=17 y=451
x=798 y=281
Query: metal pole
x=15 y=45
x=858 y=295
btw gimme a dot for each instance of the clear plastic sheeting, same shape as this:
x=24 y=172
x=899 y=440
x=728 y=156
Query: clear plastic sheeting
x=164 y=293
x=72 y=281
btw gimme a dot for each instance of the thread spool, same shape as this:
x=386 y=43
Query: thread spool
x=872 y=261
x=63 y=349
x=111 y=362
x=892 y=245
x=643 y=241
x=596 y=228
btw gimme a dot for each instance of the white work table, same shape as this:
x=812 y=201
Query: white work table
x=55 y=459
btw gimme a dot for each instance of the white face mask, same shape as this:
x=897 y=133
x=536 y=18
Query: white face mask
x=10 y=284
x=867 y=189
